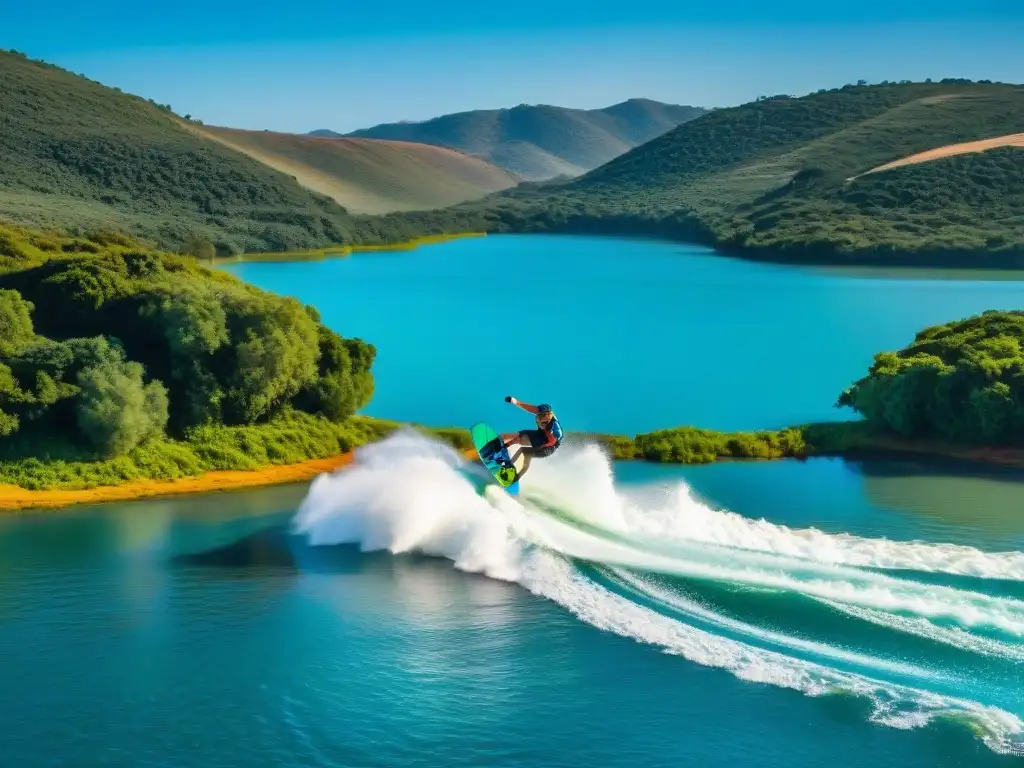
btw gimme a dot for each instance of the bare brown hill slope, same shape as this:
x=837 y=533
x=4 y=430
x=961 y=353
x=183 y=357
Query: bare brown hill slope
x=369 y=176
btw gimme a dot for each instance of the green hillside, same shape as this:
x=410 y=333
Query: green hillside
x=74 y=153
x=780 y=178
x=539 y=142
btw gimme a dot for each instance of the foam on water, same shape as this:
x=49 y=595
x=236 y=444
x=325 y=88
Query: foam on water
x=953 y=636
x=677 y=514
x=404 y=495
x=409 y=494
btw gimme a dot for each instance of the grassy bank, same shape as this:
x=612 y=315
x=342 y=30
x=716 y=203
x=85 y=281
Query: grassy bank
x=849 y=439
x=189 y=468
x=288 y=440
x=691 y=445
x=220 y=459
x=342 y=250
x=293 y=448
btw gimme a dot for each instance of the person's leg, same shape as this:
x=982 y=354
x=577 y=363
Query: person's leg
x=517 y=443
x=529 y=439
x=527 y=457
x=530 y=453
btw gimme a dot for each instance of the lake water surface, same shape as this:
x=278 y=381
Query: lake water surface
x=400 y=614
x=618 y=335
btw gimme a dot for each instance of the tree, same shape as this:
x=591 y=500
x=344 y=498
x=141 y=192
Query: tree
x=15 y=321
x=275 y=349
x=137 y=342
x=116 y=410
x=10 y=394
x=963 y=381
x=200 y=247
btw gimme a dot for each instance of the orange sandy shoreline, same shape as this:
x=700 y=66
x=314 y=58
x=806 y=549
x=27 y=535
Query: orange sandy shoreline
x=14 y=498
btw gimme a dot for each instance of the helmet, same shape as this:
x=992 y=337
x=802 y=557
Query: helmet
x=542 y=409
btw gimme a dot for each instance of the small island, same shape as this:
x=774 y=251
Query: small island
x=955 y=391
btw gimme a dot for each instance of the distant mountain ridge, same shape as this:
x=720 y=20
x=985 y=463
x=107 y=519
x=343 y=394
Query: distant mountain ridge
x=540 y=142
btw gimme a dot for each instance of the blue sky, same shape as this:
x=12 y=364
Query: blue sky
x=296 y=66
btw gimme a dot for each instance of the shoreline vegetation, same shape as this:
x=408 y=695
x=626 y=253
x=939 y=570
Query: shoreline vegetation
x=16 y=498
x=344 y=250
x=841 y=439
x=850 y=440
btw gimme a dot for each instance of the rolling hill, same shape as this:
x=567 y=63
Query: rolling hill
x=781 y=178
x=75 y=154
x=369 y=175
x=893 y=173
x=539 y=142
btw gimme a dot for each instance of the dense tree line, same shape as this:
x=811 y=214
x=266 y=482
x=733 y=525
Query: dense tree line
x=690 y=445
x=103 y=349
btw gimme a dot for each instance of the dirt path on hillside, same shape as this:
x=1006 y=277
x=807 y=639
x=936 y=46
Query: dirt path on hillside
x=1012 y=140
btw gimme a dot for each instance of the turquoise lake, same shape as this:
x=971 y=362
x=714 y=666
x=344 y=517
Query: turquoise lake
x=618 y=335
x=402 y=613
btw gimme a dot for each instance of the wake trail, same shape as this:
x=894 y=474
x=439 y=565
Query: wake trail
x=408 y=493
x=678 y=515
x=845 y=585
x=952 y=636
x=692 y=608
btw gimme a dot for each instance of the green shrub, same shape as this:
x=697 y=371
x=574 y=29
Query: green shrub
x=137 y=344
x=961 y=381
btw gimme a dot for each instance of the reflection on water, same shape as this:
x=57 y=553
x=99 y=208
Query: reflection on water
x=913 y=274
x=143 y=591
x=988 y=499
x=249 y=556
x=137 y=532
x=904 y=499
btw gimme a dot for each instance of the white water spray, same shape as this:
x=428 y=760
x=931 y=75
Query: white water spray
x=409 y=494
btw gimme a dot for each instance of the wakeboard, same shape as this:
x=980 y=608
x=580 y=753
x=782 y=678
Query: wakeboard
x=496 y=458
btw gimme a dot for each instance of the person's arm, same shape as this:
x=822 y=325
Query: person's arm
x=519 y=403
